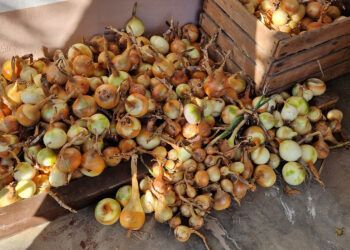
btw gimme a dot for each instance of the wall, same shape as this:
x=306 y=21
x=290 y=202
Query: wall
x=57 y=25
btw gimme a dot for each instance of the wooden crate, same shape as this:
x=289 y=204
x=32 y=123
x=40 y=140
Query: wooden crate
x=274 y=58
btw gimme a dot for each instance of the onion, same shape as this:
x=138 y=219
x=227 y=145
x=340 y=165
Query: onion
x=214 y=173
x=107 y=211
x=317 y=86
x=290 y=6
x=335 y=114
x=230 y=113
x=260 y=155
x=278 y=119
x=293 y=173
x=285 y=133
x=333 y=12
x=237 y=167
x=24 y=171
x=183 y=233
x=172 y=109
x=128 y=127
x=313 y=9
x=192 y=113
x=299 y=103
x=222 y=200
x=55 y=138
x=301 y=125
x=160 y=44
x=98 y=124
x=92 y=164
x=57 y=178
x=236 y=82
x=315 y=114
x=32 y=95
x=206 y=106
x=146 y=139
x=255 y=134
x=289 y=150
x=31 y=153
x=25 y=188
x=279 y=17
x=289 y=112
x=184 y=153
x=75 y=131
x=218 y=105
x=148 y=202
x=190 y=32
x=46 y=157
x=264 y=175
x=193 y=55
x=267 y=120
x=274 y=161
x=8 y=196
x=135 y=26
x=299 y=14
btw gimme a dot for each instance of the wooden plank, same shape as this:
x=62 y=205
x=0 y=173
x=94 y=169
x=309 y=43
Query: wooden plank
x=216 y=55
x=226 y=44
x=308 y=55
x=312 y=38
x=77 y=194
x=245 y=43
x=333 y=66
x=266 y=38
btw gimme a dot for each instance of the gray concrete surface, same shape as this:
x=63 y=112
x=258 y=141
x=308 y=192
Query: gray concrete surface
x=267 y=219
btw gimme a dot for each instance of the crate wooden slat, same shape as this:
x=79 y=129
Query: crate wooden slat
x=225 y=43
x=310 y=54
x=276 y=58
x=246 y=43
x=306 y=70
x=312 y=38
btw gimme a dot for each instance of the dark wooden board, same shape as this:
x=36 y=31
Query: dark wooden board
x=310 y=54
x=77 y=194
x=226 y=44
x=310 y=68
x=235 y=32
x=312 y=38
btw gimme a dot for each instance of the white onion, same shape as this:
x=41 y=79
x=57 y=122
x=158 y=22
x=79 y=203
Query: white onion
x=57 y=178
x=274 y=161
x=32 y=95
x=184 y=153
x=299 y=103
x=260 y=155
x=218 y=106
x=237 y=167
x=315 y=114
x=192 y=113
x=285 y=133
x=278 y=98
x=24 y=171
x=289 y=112
x=301 y=125
x=293 y=173
x=267 y=120
x=289 y=150
x=160 y=44
x=25 y=188
x=308 y=153
x=278 y=119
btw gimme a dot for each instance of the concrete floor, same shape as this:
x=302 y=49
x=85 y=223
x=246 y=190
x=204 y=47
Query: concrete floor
x=267 y=219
